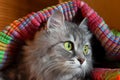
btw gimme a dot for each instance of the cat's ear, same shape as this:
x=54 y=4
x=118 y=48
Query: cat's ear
x=55 y=20
x=84 y=24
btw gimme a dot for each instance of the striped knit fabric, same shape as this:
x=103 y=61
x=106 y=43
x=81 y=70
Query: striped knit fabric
x=97 y=25
x=22 y=29
x=106 y=74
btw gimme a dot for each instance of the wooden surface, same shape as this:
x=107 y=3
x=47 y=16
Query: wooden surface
x=109 y=10
x=11 y=10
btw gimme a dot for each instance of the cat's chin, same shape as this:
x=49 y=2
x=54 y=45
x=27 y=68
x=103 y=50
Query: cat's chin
x=75 y=73
x=78 y=69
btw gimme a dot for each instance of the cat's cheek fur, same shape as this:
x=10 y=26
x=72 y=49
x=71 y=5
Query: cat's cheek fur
x=87 y=66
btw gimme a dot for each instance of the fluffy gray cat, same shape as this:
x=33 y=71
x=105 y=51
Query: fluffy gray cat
x=60 y=52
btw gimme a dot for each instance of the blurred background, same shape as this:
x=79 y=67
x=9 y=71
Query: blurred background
x=11 y=10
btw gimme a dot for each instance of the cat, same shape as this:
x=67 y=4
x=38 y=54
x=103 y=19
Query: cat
x=60 y=52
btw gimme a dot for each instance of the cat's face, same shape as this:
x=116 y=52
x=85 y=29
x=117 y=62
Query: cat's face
x=63 y=49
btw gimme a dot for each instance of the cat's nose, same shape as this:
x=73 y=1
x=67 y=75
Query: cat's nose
x=81 y=60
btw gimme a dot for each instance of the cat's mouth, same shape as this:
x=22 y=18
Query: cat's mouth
x=74 y=67
x=75 y=63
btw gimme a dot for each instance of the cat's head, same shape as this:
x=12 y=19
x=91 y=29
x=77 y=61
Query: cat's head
x=63 y=49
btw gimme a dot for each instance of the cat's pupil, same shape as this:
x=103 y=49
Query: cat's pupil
x=69 y=45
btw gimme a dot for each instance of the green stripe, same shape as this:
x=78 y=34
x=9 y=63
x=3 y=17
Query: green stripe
x=5 y=35
x=2 y=52
x=2 y=39
x=116 y=33
x=1 y=56
x=1 y=60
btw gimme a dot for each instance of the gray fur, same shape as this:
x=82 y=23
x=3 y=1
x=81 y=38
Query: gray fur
x=46 y=58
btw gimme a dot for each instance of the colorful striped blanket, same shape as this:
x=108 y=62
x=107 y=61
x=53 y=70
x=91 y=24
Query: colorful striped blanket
x=22 y=29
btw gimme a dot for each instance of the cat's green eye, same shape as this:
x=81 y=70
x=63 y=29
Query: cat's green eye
x=85 y=49
x=68 y=45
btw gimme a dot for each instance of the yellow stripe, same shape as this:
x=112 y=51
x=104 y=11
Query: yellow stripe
x=2 y=44
x=3 y=48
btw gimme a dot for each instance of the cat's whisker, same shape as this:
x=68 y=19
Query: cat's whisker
x=53 y=66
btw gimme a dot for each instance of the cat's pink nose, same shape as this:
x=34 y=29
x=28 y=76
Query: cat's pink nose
x=81 y=60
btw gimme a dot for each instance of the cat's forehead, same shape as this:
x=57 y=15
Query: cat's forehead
x=74 y=33
x=76 y=38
